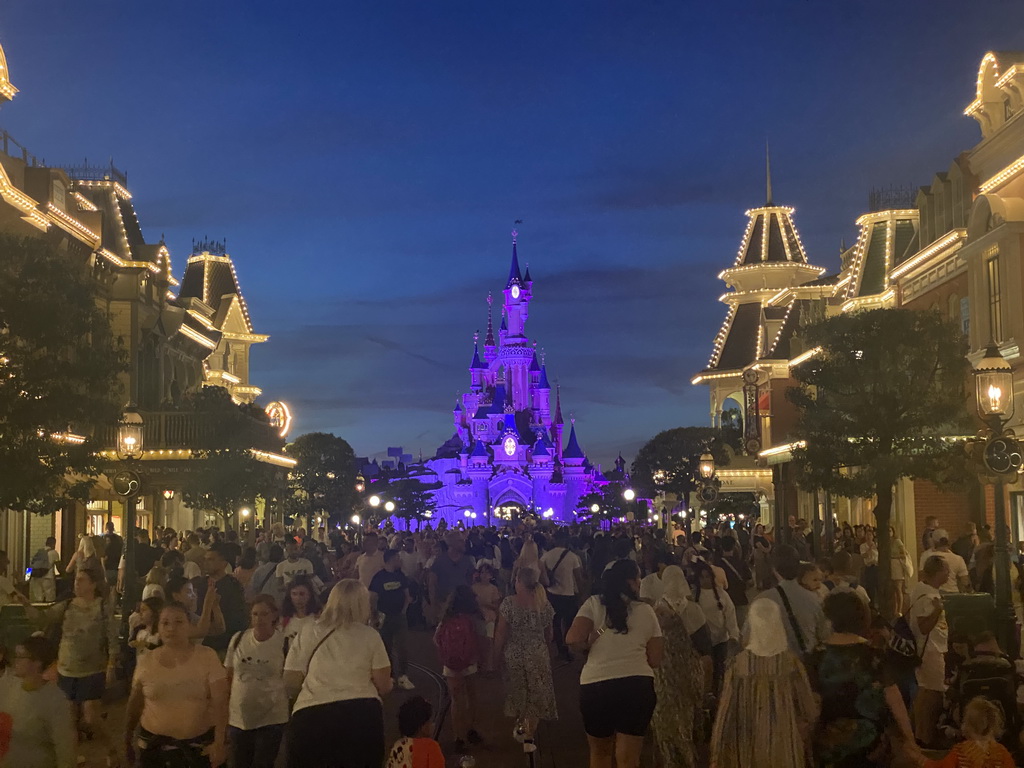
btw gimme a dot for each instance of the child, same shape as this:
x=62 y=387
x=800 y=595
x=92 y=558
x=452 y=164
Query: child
x=982 y=725
x=488 y=598
x=144 y=635
x=457 y=649
x=416 y=749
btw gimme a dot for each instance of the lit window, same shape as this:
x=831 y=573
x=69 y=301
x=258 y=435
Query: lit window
x=995 y=314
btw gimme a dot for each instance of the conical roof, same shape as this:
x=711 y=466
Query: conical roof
x=544 y=378
x=573 y=450
x=770 y=236
x=514 y=275
x=477 y=362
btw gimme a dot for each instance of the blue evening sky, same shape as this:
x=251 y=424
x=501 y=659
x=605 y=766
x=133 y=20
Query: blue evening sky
x=366 y=160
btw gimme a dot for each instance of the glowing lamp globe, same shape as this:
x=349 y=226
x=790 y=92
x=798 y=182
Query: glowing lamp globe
x=130 y=434
x=595 y=508
x=707 y=466
x=389 y=506
x=993 y=386
x=373 y=501
x=356 y=520
x=629 y=494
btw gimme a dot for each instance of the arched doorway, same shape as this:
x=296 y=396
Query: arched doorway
x=509 y=511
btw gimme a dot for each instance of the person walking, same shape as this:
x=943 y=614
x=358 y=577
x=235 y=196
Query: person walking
x=258 y=706
x=764 y=575
x=389 y=600
x=802 y=615
x=521 y=639
x=34 y=715
x=112 y=551
x=767 y=706
x=858 y=693
x=617 y=697
x=927 y=620
x=301 y=607
x=371 y=560
x=42 y=584
x=231 y=599
x=459 y=653
x=901 y=568
x=177 y=713
x=564 y=571
x=339 y=668
x=85 y=632
x=959 y=578
x=679 y=681
x=721 y=617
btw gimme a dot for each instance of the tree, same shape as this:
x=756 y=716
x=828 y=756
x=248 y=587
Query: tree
x=224 y=475
x=612 y=505
x=668 y=462
x=875 y=406
x=413 y=498
x=59 y=367
x=324 y=478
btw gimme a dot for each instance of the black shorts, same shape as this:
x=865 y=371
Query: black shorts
x=620 y=705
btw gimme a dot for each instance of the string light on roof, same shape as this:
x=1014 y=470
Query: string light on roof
x=1010 y=171
x=988 y=58
x=939 y=245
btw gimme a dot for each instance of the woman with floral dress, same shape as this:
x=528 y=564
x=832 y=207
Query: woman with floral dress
x=680 y=680
x=522 y=638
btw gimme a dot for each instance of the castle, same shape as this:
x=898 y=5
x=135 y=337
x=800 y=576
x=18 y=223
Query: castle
x=509 y=455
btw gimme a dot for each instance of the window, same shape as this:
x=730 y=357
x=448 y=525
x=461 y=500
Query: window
x=59 y=195
x=965 y=315
x=995 y=315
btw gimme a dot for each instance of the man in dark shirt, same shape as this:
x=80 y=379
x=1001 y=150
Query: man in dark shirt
x=389 y=596
x=230 y=548
x=232 y=599
x=112 y=553
x=737 y=574
x=450 y=570
x=145 y=555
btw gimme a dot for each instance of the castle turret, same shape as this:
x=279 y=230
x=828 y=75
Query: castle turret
x=559 y=423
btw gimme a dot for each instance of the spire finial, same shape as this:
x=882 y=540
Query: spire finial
x=515 y=234
x=476 y=336
x=490 y=299
x=768 y=171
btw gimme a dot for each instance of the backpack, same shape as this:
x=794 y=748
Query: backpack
x=456 y=643
x=903 y=642
x=40 y=564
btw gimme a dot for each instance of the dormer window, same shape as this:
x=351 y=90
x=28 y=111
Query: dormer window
x=1007 y=109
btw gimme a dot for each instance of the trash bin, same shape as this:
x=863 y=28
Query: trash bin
x=969 y=615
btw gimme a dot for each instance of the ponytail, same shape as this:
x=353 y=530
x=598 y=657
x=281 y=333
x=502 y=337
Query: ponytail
x=617 y=593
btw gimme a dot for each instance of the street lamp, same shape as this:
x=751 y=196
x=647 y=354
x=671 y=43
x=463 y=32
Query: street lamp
x=629 y=494
x=373 y=501
x=999 y=458
x=126 y=483
x=356 y=519
x=707 y=466
x=595 y=508
x=389 y=506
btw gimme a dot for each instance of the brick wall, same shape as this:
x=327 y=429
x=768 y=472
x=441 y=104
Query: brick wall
x=953 y=508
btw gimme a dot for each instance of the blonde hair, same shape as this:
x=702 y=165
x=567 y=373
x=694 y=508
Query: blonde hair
x=86 y=546
x=156 y=575
x=528 y=578
x=348 y=603
x=982 y=720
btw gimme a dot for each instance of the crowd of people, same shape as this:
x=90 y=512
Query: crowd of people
x=724 y=641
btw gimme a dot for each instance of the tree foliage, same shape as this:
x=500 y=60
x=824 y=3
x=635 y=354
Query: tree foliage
x=324 y=478
x=59 y=367
x=877 y=404
x=667 y=463
x=225 y=475
x=612 y=505
x=413 y=498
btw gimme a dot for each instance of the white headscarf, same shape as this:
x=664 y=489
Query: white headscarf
x=678 y=596
x=766 y=634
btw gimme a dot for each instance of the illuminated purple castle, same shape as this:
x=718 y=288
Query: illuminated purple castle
x=506 y=457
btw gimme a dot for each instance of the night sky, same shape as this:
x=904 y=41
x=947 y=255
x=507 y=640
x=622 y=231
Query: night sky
x=365 y=162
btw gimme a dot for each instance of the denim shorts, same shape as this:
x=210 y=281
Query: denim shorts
x=88 y=688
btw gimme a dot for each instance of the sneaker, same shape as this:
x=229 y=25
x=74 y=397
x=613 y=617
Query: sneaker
x=529 y=746
x=473 y=736
x=403 y=682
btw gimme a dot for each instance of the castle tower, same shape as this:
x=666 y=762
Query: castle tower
x=516 y=354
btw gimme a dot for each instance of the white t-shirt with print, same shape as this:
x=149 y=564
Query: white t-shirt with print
x=614 y=654
x=287 y=570
x=258 y=695
x=294 y=627
x=921 y=606
x=340 y=668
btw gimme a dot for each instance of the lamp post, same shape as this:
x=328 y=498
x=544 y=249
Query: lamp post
x=126 y=483
x=999 y=457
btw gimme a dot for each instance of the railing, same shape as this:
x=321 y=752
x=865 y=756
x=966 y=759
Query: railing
x=169 y=430
x=20 y=152
x=86 y=172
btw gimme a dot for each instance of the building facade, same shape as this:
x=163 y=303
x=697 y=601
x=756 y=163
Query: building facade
x=179 y=336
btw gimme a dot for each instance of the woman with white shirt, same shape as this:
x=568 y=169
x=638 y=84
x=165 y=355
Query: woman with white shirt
x=721 y=616
x=340 y=668
x=258 y=708
x=617 y=697
x=300 y=607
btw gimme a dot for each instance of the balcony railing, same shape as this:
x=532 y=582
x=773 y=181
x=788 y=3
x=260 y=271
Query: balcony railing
x=164 y=430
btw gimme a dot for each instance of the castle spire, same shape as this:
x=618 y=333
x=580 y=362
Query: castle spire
x=558 y=404
x=489 y=340
x=768 y=172
x=514 y=275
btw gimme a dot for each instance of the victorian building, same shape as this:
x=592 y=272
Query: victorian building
x=510 y=453
x=178 y=336
x=954 y=246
